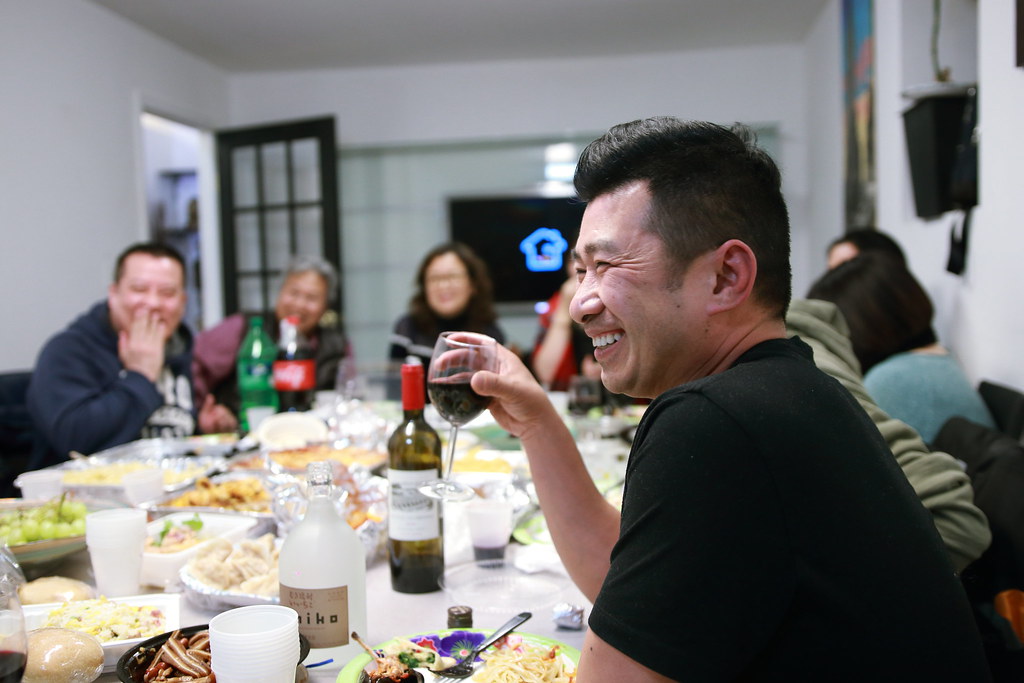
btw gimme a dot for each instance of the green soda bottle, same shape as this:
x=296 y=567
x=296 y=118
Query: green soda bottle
x=255 y=376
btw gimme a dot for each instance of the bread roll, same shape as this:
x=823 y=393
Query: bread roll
x=54 y=589
x=59 y=655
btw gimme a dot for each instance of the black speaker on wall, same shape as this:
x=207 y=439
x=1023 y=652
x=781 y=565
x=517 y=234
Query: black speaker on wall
x=933 y=127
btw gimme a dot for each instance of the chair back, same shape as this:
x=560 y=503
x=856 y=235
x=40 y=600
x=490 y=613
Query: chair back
x=16 y=430
x=1006 y=405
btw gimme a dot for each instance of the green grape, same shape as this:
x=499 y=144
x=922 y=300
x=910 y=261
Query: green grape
x=47 y=529
x=78 y=526
x=15 y=537
x=30 y=529
x=64 y=530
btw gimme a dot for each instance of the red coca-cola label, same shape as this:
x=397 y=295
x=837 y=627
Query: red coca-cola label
x=294 y=375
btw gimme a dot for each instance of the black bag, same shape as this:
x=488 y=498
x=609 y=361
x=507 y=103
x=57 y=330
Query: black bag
x=964 y=182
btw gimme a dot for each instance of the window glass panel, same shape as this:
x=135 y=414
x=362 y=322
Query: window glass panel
x=250 y=294
x=247 y=241
x=278 y=240
x=306 y=169
x=275 y=173
x=308 y=231
x=243 y=171
x=274 y=286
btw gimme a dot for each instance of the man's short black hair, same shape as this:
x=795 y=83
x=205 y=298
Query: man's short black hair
x=708 y=184
x=156 y=249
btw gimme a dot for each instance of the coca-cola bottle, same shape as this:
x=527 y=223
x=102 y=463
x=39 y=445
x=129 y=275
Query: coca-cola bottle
x=294 y=369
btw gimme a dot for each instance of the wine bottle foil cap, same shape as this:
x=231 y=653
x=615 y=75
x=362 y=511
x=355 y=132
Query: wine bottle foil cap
x=460 y=616
x=567 y=615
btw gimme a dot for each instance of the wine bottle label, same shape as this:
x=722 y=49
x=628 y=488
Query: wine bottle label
x=294 y=375
x=323 y=613
x=411 y=515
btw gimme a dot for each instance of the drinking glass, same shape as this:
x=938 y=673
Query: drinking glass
x=584 y=393
x=13 y=641
x=457 y=357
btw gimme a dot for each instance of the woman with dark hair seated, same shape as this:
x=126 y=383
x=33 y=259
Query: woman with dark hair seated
x=906 y=370
x=453 y=292
x=862 y=240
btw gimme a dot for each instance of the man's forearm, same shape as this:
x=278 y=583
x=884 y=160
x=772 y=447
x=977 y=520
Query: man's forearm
x=583 y=526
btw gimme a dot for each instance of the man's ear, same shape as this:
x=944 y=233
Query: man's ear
x=735 y=272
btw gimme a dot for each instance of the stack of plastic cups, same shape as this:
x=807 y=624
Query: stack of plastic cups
x=255 y=644
x=116 y=540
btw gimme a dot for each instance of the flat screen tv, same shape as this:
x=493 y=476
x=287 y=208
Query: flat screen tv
x=524 y=240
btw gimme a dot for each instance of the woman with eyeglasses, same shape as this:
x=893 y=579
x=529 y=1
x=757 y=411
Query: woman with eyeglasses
x=453 y=292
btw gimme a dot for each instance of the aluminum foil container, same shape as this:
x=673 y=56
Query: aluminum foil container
x=169 y=455
x=207 y=597
x=162 y=506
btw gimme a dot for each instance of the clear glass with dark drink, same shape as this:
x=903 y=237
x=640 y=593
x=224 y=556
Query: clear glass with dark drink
x=490 y=526
x=457 y=357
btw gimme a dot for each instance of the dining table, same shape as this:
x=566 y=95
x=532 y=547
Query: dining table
x=392 y=614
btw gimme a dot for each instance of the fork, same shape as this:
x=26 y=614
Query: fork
x=464 y=668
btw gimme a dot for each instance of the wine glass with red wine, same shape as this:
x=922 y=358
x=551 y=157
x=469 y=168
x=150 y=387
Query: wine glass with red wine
x=457 y=357
x=13 y=642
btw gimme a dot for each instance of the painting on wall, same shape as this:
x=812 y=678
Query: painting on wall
x=859 y=120
x=1020 y=32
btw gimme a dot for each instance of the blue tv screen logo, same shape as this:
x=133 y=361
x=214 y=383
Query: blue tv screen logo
x=543 y=250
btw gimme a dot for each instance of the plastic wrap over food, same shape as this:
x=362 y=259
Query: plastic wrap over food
x=353 y=423
x=359 y=497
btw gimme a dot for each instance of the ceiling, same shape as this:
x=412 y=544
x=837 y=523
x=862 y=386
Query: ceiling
x=279 y=35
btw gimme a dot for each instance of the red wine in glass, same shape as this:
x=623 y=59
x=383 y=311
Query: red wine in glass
x=457 y=356
x=12 y=666
x=456 y=401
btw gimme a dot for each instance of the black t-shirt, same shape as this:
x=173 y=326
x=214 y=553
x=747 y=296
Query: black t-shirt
x=768 y=534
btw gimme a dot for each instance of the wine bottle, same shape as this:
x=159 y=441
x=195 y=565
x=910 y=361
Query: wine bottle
x=255 y=375
x=322 y=568
x=415 y=530
x=294 y=369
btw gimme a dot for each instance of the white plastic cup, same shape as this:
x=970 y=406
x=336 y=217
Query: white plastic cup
x=143 y=485
x=255 y=644
x=40 y=484
x=116 y=540
x=490 y=525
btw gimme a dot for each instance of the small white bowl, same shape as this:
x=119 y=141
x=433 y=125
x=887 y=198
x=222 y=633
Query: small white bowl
x=161 y=569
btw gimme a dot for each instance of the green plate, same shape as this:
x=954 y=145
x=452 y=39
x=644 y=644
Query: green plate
x=350 y=674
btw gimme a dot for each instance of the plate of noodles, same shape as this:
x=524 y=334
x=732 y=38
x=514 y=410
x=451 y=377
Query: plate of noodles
x=519 y=657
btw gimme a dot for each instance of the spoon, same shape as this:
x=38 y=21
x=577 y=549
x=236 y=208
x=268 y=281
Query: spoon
x=465 y=667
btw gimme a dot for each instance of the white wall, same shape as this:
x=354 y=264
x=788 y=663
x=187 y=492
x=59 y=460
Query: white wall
x=978 y=315
x=73 y=82
x=530 y=99
x=825 y=153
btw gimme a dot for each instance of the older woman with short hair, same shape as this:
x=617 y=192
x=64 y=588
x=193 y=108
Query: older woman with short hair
x=310 y=285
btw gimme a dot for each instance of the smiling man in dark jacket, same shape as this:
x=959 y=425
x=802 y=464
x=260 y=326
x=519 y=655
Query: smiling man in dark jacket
x=121 y=371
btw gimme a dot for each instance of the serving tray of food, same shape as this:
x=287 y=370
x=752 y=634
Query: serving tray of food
x=243 y=492
x=100 y=475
